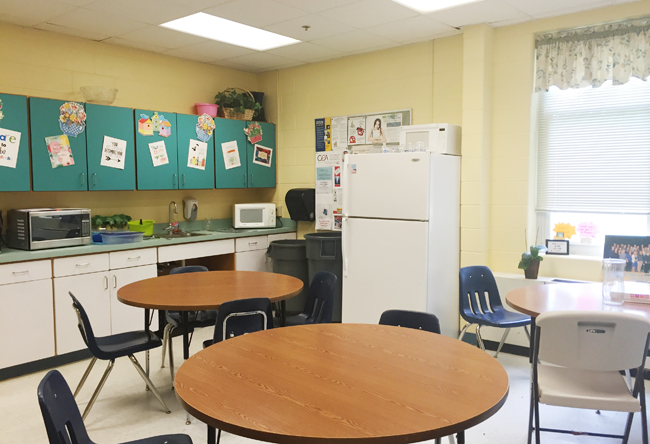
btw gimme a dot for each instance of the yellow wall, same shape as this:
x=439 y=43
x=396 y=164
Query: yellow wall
x=43 y=64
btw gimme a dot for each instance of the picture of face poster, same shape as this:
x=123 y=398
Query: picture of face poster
x=263 y=156
x=58 y=148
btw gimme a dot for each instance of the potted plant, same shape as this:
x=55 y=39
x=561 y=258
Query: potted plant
x=530 y=261
x=114 y=222
x=237 y=105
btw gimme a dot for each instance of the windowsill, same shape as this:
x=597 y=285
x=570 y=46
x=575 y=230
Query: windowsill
x=573 y=266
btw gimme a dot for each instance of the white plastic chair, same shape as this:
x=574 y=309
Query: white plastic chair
x=577 y=360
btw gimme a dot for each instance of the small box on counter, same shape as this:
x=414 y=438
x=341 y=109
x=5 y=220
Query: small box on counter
x=635 y=292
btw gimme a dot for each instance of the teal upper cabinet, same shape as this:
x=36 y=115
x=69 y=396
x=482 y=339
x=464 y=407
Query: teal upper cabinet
x=201 y=174
x=109 y=170
x=261 y=158
x=230 y=131
x=14 y=110
x=55 y=171
x=157 y=167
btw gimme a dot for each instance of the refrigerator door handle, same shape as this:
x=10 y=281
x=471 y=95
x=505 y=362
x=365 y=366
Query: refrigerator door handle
x=344 y=249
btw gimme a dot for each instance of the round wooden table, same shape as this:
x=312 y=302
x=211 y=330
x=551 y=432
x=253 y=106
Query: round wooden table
x=348 y=383
x=206 y=291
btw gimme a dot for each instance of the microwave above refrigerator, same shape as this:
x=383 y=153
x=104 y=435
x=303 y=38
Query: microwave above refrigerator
x=439 y=138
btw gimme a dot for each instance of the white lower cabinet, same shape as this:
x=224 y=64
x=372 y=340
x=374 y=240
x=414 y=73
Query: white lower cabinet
x=124 y=317
x=28 y=322
x=250 y=252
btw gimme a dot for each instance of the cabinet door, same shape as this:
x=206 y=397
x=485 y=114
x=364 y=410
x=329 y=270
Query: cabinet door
x=251 y=261
x=28 y=333
x=125 y=317
x=44 y=122
x=149 y=125
x=193 y=178
x=228 y=131
x=92 y=290
x=14 y=109
x=262 y=175
x=117 y=123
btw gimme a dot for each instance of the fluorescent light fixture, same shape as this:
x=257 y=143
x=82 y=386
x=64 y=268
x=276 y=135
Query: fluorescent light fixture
x=426 y=6
x=227 y=31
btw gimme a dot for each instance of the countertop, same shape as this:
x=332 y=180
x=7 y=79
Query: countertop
x=9 y=255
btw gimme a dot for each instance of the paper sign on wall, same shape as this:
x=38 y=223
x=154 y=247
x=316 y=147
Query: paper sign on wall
x=339 y=133
x=197 y=154
x=356 y=130
x=324 y=180
x=230 y=154
x=158 y=153
x=59 y=150
x=113 y=152
x=9 y=145
x=324 y=217
x=263 y=156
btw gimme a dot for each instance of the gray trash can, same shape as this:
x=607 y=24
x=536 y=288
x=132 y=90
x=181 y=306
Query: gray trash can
x=289 y=257
x=324 y=254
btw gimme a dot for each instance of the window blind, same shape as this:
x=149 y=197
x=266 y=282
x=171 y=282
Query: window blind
x=594 y=149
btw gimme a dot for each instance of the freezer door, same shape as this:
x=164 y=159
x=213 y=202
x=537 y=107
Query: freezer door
x=384 y=267
x=387 y=186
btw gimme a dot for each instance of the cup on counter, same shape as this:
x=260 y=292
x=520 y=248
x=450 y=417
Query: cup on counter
x=613 y=281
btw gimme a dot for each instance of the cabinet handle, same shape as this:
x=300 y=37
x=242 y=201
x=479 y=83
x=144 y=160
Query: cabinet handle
x=94 y=179
x=252 y=181
x=114 y=281
x=244 y=180
x=174 y=177
x=105 y=282
x=19 y=273
x=83 y=179
x=252 y=243
x=85 y=264
x=183 y=178
x=133 y=258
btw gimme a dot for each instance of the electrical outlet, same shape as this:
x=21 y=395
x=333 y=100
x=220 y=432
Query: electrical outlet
x=278 y=211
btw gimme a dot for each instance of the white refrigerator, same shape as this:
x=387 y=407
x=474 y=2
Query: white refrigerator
x=401 y=236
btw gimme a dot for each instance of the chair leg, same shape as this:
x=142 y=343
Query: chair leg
x=166 y=333
x=93 y=398
x=503 y=339
x=644 y=411
x=628 y=427
x=537 y=431
x=479 y=339
x=85 y=376
x=146 y=354
x=171 y=358
x=451 y=439
x=527 y=332
x=462 y=332
x=530 y=413
x=153 y=388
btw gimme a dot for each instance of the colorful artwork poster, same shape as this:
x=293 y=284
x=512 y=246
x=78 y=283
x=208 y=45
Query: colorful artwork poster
x=328 y=134
x=339 y=133
x=2 y=115
x=337 y=176
x=197 y=154
x=204 y=127
x=383 y=128
x=324 y=180
x=254 y=133
x=72 y=119
x=9 y=146
x=59 y=150
x=231 y=154
x=113 y=152
x=158 y=153
x=145 y=125
x=263 y=156
x=356 y=130
x=319 y=127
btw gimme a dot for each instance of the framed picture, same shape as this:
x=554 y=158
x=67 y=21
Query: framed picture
x=556 y=246
x=635 y=250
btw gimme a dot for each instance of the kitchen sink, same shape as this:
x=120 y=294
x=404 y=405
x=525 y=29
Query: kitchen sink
x=180 y=235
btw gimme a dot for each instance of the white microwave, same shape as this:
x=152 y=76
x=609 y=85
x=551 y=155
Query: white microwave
x=253 y=215
x=440 y=138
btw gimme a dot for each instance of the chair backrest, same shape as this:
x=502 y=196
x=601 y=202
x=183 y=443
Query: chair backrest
x=417 y=320
x=188 y=269
x=320 y=302
x=242 y=316
x=478 y=292
x=85 y=328
x=593 y=340
x=61 y=415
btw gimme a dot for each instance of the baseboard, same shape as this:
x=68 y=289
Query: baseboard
x=43 y=364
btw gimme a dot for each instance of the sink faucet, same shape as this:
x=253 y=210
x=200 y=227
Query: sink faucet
x=173 y=224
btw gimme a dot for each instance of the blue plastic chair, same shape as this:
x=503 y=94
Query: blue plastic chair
x=320 y=301
x=480 y=304
x=109 y=348
x=63 y=422
x=236 y=318
x=196 y=319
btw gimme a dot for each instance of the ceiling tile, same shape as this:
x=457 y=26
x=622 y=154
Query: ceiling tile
x=514 y=21
x=94 y=21
x=31 y=12
x=306 y=52
x=160 y=37
x=353 y=41
x=257 y=13
x=135 y=44
x=90 y=35
x=209 y=51
x=481 y=12
x=319 y=27
x=262 y=61
x=411 y=29
x=317 y=5
x=538 y=8
x=153 y=12
x=233 y=65
x=570 y=9
x=368 y=13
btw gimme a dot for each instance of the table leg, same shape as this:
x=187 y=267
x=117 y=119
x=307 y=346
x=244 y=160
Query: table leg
x=146 y=320
x=212 y=439
x=283 y=313
x=186 y=335
x=532 y=339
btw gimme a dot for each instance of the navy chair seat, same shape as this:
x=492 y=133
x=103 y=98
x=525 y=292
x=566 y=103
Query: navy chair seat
x=502 y=318
x=63 y=422
x=124 y=344
x=320 y=301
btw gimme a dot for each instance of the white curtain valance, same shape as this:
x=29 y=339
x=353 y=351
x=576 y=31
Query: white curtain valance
x=590 y=56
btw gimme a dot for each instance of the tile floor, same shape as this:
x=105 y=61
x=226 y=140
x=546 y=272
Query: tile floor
x=124 y=411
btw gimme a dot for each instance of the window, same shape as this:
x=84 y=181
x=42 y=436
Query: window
x=593 y=166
